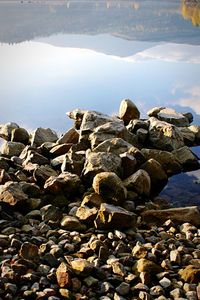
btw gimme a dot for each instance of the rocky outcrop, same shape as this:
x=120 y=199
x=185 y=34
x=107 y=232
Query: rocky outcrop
x=79 y=214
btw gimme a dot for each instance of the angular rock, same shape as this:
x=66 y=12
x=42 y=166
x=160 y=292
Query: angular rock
x=42 y=135
x=97 y=162
x=66 y=182
x=81 y=267
x=76 y=115
x=164 y=136
x=69 y=137
x=188 y=136
x=60 y=149
x=42 y=173
x=145 y=265
x=114 y=145
x=51 y=213
x=86 y=214
x=190 y=274
x=92 y=199
x=35 y=158
x=11 y=192
x=58 y=161
x=12 y=148
x=72 y=223
x=139 y=251
x=110 y=187
x=6 y=130
x=20 y=135
x=186 y=158
x=136 y=124
x=129 y=164
x=169 y=115
x=196 y=130
x=178 y=215
x=157 y=175
x=128 y=111
x=62 y=275
x=139 y=182
x=165 y=158
x=153 y=112
x=114 y=217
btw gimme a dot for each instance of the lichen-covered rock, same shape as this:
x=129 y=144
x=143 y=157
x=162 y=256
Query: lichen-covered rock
x=186 y=158
x=42 y=135
x=110 y=187
x=179 y=215
x=128 y=111
x=6 y=130
x=111 y=216
x=165 y=158
x=139 y=182
x=65 y=182
x=157 y=174
x=12 y=148
x=11 y=192
x=97 y=162
x=164 y=136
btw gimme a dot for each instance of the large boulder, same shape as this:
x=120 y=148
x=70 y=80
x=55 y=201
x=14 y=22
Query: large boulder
x=165 y=158
x=196 y=130
x=71 y=136
x=128 y=111
x=180 y=215
x=114 y=217
x=72 y=223
x=42 y=135
x=20 y=135
x=12 y=148
x=11 y=192
x=157 y=174
x=110 y=187
x=169 y=115
x=97 y=162
x=66 y=182
x=114 y=145
x=6 y=130
x=186 y=158
x=139 y=182
x=164 y=136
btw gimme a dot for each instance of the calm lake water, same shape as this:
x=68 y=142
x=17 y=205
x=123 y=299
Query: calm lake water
x=56 y=56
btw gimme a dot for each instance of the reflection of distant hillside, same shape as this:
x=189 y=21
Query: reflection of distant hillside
x=136 y=20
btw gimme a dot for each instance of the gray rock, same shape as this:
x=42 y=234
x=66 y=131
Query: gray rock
x=154 y=111
x=128 y=111
x=42 y=173
x=114 y=145
x=97 y=162
x=139 y=182
x=20 y=135
x=6 y=129
x=114 y=217
x=164 y=136
x=42 y=135
x=110 y=187
x=123 y=289
x=169 y=115
x=187 y=159
x=35 y=158
x=12 y=148
x=165 y=158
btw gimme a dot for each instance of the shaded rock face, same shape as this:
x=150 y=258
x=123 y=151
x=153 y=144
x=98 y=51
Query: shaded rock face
x=78 y=214
x=171 y=116
x=12 y=148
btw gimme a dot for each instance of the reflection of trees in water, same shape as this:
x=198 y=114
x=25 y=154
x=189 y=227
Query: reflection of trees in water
x=191 y=11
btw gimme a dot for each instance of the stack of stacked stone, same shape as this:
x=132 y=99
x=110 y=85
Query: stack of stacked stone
x=80 y=215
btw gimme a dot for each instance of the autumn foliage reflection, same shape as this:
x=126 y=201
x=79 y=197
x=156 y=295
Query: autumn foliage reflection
x=191 y=11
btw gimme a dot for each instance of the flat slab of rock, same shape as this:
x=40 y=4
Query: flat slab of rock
x=110 y=187
x=42 y=135
x=128 y=111
x=11 y=192
x=71 y=136
x=115 y=146
x=169 y=115
x=164 y=136
x=179 y=215
x=114 y=217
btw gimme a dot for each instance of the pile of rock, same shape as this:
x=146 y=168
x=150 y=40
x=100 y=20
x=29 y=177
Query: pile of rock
x=80 y=217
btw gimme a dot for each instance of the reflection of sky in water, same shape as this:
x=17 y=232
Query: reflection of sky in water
x=40 y=82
